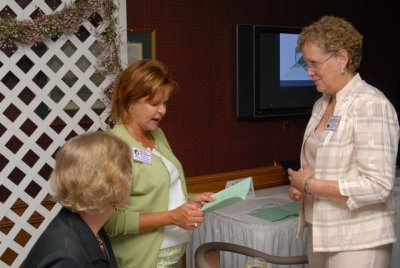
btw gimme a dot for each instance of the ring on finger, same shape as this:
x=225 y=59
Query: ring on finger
x=195 y=225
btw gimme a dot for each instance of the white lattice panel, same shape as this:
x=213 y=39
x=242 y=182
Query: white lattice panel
x=48 y=94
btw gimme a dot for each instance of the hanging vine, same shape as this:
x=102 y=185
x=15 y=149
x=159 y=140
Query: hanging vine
x=65 y=22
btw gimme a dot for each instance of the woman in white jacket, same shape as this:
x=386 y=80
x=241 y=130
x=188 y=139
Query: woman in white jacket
x=348 y=156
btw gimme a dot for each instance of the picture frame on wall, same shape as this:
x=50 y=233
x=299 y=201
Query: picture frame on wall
x=141 y=44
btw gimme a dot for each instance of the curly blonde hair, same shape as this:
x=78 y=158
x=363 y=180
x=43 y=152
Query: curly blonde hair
x=333 y=34
x=91 y=172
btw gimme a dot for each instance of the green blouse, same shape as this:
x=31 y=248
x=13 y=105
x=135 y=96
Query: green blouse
x=149 y=193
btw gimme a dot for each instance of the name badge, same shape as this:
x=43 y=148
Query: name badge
x=333 y=122
x=142 y=155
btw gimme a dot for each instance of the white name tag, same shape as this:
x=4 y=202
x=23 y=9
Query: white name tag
x=333 y=122
x=142 y=155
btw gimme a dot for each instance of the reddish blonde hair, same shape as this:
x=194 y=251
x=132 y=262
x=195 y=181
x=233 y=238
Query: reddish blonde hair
x=144 y=78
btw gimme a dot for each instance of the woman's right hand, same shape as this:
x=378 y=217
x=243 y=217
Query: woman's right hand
x=188 y=216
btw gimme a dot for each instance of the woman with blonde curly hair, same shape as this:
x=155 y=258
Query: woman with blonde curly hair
x=91 y=179
x=348 y=155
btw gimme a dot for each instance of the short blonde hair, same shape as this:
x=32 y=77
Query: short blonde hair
x=90 y=172
x=333 y=34
x=144 y=78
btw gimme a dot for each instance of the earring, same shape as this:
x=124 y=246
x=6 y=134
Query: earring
x=342 y=71
x=114 y=207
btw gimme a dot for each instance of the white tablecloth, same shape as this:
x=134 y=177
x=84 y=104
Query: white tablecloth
x=233 y=225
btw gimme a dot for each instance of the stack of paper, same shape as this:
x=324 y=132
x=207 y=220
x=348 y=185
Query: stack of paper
x=278 y=213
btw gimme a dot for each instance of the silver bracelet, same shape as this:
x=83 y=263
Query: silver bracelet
x=306 y=183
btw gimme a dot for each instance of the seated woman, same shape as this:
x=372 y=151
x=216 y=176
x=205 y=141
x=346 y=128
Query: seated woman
x=91 y=179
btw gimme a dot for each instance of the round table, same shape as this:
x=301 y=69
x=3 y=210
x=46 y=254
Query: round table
x=233 y=225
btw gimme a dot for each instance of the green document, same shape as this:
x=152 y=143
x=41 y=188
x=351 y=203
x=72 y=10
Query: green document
x=229 y=196
x=278 y=213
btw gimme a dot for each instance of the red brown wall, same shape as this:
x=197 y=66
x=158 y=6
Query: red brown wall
x=196 y=39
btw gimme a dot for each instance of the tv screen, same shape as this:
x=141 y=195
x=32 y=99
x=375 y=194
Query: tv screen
x=270 y=77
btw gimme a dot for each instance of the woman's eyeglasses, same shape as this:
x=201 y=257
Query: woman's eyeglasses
x=313 y=66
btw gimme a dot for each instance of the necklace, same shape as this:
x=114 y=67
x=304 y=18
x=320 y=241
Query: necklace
x=101 y=244
x=145 y=140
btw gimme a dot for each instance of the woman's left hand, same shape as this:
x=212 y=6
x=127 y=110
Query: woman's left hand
x=202 y=198
x=295 y=194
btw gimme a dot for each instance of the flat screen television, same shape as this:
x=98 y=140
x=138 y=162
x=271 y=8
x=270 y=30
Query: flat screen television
x=270 y=80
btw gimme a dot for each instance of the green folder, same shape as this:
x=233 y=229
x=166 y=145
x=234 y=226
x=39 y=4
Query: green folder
x=278 y=213
x=229 y=196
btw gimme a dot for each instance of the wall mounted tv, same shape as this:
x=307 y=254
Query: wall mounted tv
x=270 y=80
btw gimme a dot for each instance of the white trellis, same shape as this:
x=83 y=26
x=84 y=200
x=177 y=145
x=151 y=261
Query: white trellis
x=48 y=93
